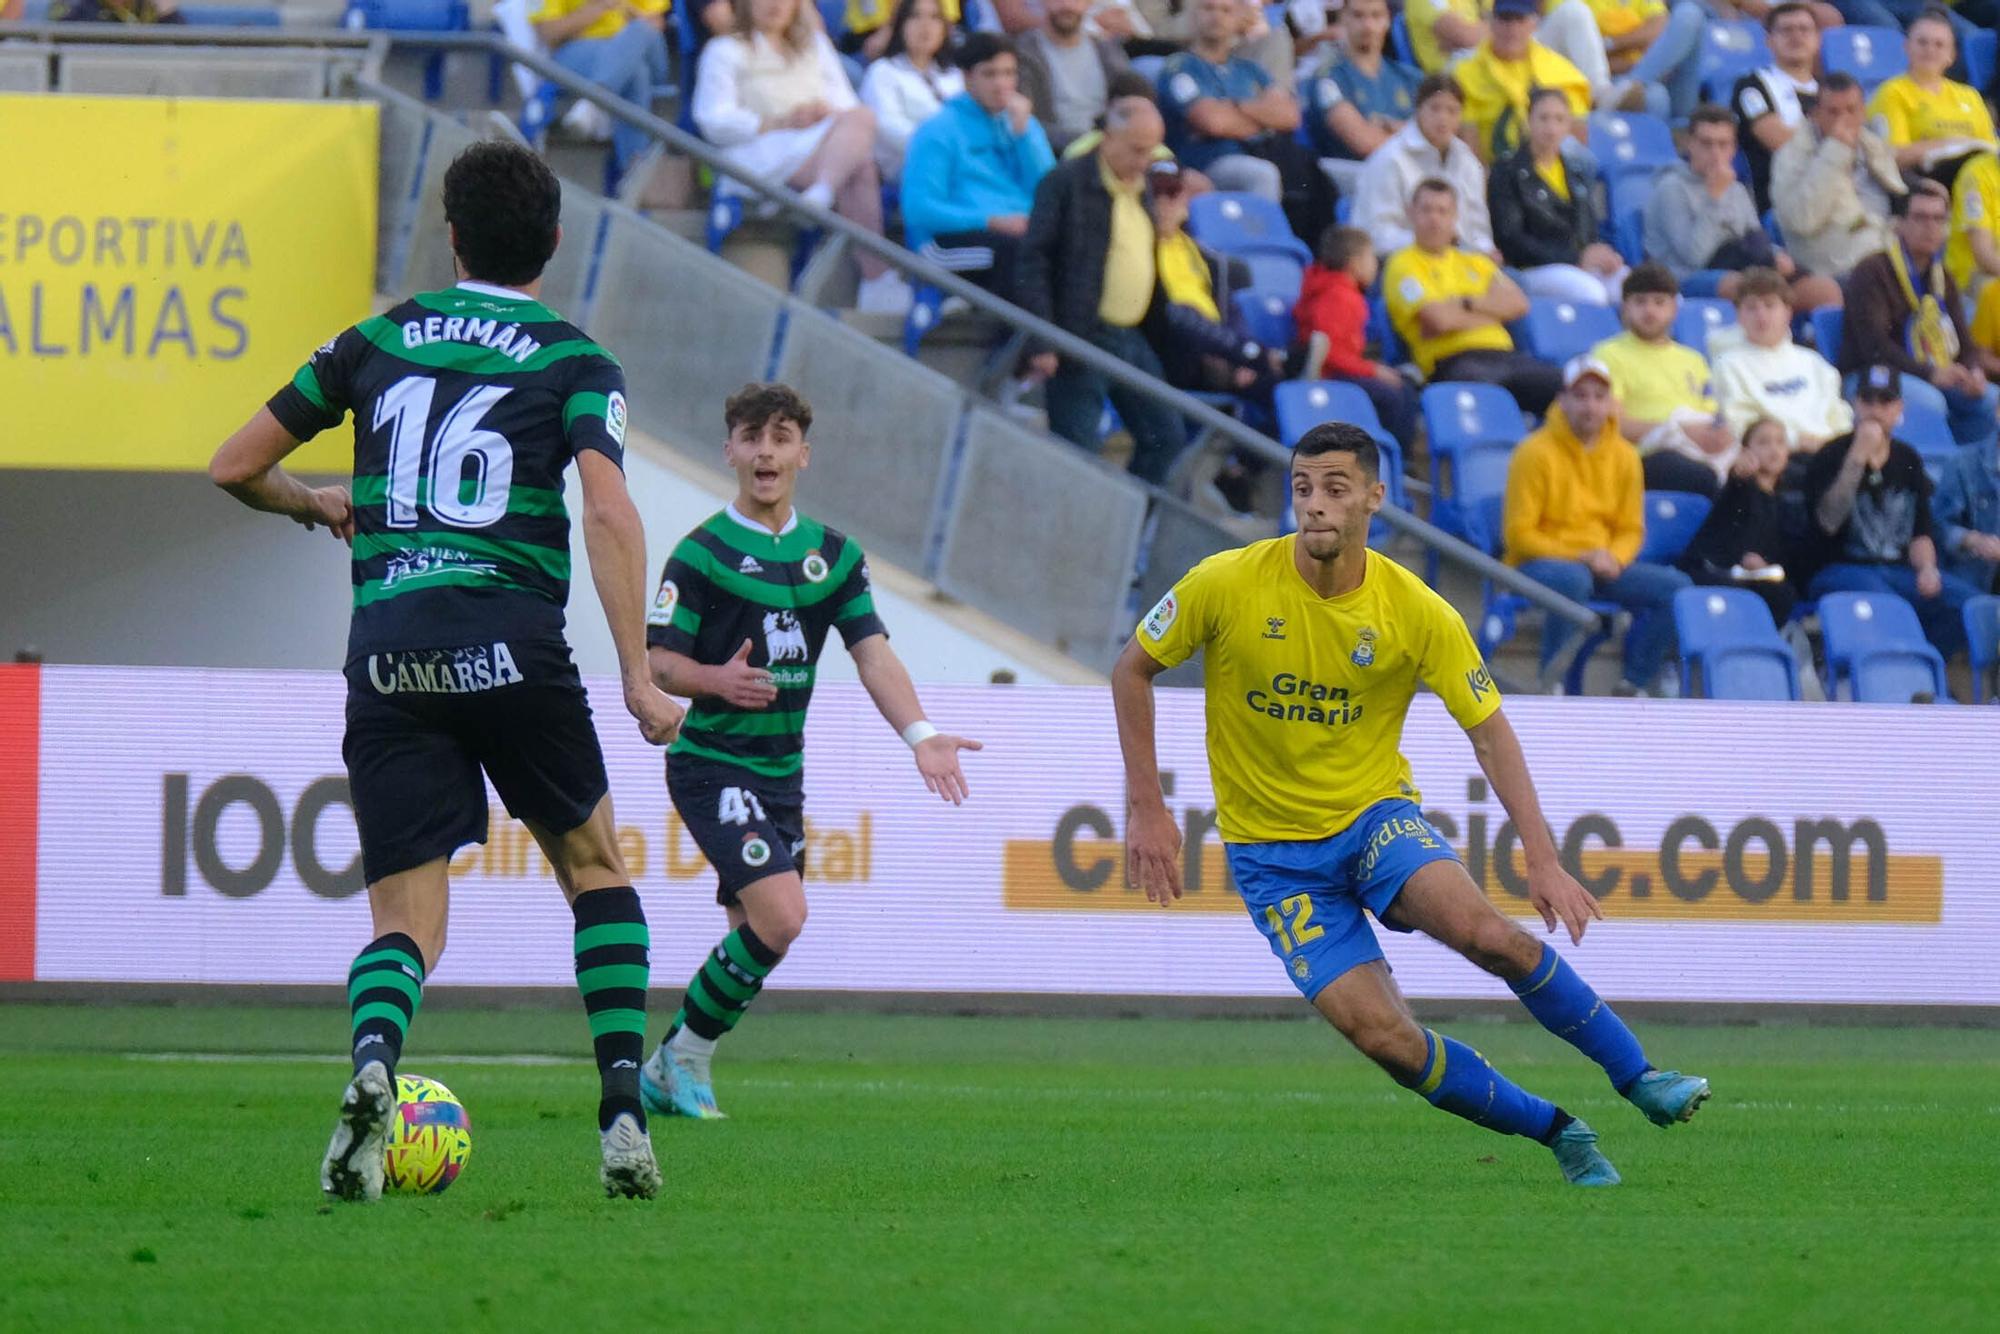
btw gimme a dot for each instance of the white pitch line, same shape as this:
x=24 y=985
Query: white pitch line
x=305 y=1058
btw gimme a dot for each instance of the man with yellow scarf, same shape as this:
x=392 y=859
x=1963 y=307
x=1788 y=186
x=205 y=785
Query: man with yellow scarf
x=1904 y=310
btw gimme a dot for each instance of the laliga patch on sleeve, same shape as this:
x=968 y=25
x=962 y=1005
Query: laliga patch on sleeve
x=1329 y=93
x=1184 y=88
x=1754 y=104
x=664 y=603
x=1412 y=289
x=1162 y=617
x=614 y=416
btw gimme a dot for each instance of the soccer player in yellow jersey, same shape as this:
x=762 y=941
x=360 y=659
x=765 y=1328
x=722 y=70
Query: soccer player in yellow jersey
x=1315 y=646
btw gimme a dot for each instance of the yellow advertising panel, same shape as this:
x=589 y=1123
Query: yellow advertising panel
x=166 y=264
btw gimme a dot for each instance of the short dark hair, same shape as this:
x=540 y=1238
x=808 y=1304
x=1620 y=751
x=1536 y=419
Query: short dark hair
x=1539 y=94
x=1129 y=83
x=1788 y=7
x=1708 y=113
x=1338 y=245
x=504 y=206
x=1434 y=84
x=1763 y=282
x=980 y=47
x=1432 y=185
x=757 y=404
x=1840 y=81
x=1652 y=277
x=1899 y=205
x=1341 y=438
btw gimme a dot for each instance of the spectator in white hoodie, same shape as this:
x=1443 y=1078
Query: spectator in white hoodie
x=914 y=77
x=1768 y=375
x=1427 y=148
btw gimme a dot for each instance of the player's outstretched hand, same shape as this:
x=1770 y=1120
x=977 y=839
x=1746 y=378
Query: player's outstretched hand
x=737 y=682
x=937 y=761
x=658 y=716
x=1557 y=896
x=1153 y=854
x=330 y=506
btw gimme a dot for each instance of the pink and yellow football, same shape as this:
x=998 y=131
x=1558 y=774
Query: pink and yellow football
x=430 y=1138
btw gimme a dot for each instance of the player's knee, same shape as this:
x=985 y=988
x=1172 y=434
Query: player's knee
x=1501 y=948
x=779 y=924
x=1397 y=1045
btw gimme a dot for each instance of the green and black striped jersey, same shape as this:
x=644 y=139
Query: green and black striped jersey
x=733 y=579
x=468 y=406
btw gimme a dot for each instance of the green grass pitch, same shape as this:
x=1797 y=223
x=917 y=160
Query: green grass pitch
x=955 y=1173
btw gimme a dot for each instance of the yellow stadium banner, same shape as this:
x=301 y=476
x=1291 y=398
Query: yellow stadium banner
x=166 y=264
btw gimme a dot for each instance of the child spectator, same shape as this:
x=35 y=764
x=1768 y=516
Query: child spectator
x=1738 y=545
x=1331 y=317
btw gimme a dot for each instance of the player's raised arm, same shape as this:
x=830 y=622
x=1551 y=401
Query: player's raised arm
x=616 y=542
x=888 y=684
x=1152 y=839
x=248 y=466
x=1553 y=891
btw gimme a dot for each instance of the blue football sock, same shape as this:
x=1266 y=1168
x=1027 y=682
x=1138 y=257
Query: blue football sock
x=1564 y=1004
x=1457 y=1079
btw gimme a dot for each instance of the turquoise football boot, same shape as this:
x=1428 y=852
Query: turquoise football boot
x=676 y=1083
x=1667 y=1096
x=1576 y=1153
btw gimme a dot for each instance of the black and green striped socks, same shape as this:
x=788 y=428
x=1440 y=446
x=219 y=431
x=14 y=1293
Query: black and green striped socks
x=383 y=989
x=722 y=989
x=611 y=972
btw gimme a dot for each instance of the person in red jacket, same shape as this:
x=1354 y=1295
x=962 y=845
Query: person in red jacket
x=1332 y=316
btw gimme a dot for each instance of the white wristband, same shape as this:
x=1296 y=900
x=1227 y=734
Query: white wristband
x=917 y=733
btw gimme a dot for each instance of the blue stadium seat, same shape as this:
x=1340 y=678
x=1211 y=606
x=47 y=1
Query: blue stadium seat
x=1629 y=194
x=1927 y=431
x=413 y=16
x=1399 y=41
x=1729 y=647
x=1699 y=317
x=1672 y=520
x=1627 y=142
x=1982 y=634
x=1274 y=274
x=1982 y=50
x=1304 y=404
x=1243 y=224
x=1730 y=49
x=1473 y=429
x=1876 y=649
x=1869 y=54
x=1556 y=330
x=1149 y=67
x=1264 y=316
x=1826 y=326
x=833 y=13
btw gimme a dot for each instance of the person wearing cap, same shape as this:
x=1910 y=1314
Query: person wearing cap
x=1869 y=501
x=1575 y=519
x=1444 y=33
x=1904 y=310
x=1508 y=66
x=1452 y=307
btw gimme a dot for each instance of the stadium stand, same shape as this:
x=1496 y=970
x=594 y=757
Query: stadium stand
x=1730 y=649
x=1869 y=54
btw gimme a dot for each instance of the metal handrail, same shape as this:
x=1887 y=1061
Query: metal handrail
x=377 y=42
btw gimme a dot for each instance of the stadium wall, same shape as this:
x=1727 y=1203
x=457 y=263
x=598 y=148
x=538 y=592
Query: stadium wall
x=154 y=820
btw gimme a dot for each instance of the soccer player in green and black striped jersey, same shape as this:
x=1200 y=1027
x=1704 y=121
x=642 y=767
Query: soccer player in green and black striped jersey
x=742 y=614
x=469 y=405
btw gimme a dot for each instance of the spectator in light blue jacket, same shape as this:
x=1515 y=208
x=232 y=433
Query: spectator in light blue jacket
x=1967 y=512
x=970 y=175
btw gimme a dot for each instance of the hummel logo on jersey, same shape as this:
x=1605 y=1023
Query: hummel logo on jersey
x=749 y=565
x=1274 y=627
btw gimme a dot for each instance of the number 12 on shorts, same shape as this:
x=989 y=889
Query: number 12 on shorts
x=1291 y=922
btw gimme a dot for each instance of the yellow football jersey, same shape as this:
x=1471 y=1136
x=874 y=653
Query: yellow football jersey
x=1307 y=695
x=1909 y=115
x=1414 y=279
x=1975 y=206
